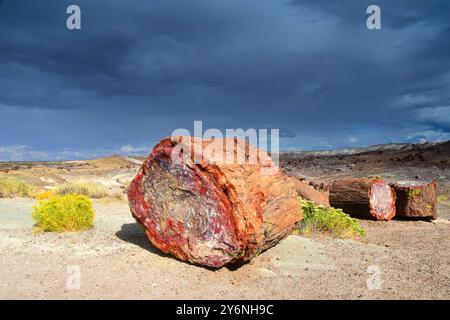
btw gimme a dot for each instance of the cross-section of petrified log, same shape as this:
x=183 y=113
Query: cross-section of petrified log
x=211 y=202
x=416 y=199
x=363 y=198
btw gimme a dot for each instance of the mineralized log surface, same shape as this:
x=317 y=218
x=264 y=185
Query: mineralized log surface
x=416 y=199
x=363 y=198
x=198 y=200
x=305 y=191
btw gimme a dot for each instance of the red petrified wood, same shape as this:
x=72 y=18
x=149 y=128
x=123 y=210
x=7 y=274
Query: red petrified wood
x=416 y=199
x=363 y=198
x=197 y=201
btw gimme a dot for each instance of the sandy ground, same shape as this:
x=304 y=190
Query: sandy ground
x=397 y=259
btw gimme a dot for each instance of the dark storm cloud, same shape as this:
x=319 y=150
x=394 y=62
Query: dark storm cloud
x=139 y=69
x=397 y=14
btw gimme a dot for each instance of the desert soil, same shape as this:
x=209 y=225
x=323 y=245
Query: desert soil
x=117 y=262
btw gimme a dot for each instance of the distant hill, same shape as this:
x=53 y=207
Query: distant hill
x=426 y=146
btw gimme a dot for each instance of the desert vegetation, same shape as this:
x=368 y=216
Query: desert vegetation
x=330 y=221
x=86 y=188
x=44 y=195
x=80 y=187
x=11 y=186
x=64 y=213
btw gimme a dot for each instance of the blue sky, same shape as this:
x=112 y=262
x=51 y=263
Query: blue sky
x=140 y=69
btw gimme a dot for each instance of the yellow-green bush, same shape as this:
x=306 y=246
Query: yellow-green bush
x=83 y=188
x=317 y=218
x=44 y=195
x=64 y=213
x=13 y=187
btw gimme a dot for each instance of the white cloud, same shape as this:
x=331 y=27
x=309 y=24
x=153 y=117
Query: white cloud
x=130 y=149
x=412 y=100
x=21 y=152
x=438 y=115
x=429 y=136
x=127 y=149
x=27 y=153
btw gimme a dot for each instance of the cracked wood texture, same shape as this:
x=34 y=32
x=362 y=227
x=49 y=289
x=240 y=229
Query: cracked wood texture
x=416 y=199
x=363 y=198
x=200 y=208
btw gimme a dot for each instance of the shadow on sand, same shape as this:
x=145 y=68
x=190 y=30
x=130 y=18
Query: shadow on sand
x=133 y=233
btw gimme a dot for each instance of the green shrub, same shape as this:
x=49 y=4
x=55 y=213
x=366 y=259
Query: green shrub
x=317 y=218
x=83 y=188
x=64 y=213
x=13 y=187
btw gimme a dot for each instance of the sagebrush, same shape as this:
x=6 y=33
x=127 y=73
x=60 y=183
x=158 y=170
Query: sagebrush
x=64 y=213
x=317 y=218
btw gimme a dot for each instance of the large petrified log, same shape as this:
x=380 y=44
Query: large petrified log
x=305 y=191
x=198 y=200
x=416 y=199
x=363 y=198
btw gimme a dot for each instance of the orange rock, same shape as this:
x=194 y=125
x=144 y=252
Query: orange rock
x=210 y=204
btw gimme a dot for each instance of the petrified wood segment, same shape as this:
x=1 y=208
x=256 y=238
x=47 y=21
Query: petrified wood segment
x=416 y=199
x=202 y=210
x=363 y=198
x=305 y=191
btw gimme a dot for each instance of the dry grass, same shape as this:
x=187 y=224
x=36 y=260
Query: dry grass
x=11 y=186
x=84 y=188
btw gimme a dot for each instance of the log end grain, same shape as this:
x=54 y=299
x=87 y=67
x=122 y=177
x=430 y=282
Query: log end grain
x=382 y=201
x=363 y=198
